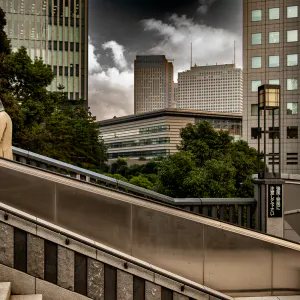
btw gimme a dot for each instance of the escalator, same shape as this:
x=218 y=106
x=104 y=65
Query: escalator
x=227 y=258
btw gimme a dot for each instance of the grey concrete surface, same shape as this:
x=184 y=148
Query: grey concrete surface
x=21 y=283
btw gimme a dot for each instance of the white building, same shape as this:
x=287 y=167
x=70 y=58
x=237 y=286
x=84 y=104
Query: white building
x=157 y=133
x=211 y=88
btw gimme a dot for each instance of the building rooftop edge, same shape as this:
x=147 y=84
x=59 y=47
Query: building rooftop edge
x=167 y=112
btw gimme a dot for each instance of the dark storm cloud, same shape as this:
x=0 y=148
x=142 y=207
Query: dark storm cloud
x=121 y=29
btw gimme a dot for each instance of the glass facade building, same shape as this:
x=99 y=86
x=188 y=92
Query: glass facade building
x=56 y=31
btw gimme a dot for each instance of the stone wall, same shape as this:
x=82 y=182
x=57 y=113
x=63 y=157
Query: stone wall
x=31 y=255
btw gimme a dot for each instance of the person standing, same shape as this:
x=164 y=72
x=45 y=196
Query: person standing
x=5 y=134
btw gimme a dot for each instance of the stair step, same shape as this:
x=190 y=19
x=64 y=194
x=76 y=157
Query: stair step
x=26 y=297
x=5 y=290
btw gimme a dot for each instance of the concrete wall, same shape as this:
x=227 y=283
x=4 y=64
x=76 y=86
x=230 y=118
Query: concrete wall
x=38 y=260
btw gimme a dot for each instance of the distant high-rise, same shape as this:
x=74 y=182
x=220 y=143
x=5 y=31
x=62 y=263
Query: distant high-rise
x=153 y=83
x=57 y=31
x=211 y=88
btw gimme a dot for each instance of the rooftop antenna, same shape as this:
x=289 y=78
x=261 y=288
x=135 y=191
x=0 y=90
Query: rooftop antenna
x=234 y=54
x=191 y=55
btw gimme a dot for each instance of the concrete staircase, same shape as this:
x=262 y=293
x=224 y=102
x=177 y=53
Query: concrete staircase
x=5 y=293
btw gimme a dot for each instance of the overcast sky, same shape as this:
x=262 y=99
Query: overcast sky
x=121 y=29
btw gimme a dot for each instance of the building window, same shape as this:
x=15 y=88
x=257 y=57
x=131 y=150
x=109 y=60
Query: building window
x=292 y=108
x=292 y=36
x=292 y=60
x=292 y=132
x=254 y=133
x=254 y=110
x=273 y=61
x=274 y=134
x=255 y=84
x=256 y=39
x=292 y=12
x=274 y=81
x=256 y=62
x=256 y=15
x=292 y=84
x=274 y=14
x=274 y=37
x=292 y=158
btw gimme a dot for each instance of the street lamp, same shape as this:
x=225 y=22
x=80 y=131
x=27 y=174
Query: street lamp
x=269 y=100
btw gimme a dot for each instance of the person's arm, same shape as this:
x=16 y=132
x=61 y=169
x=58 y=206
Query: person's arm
x=2 y=129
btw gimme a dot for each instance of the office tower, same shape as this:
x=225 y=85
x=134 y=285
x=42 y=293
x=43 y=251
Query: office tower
x=271 y=50
x=175 y=89
x=153 y=83
x=211 y=88
x=57 y=31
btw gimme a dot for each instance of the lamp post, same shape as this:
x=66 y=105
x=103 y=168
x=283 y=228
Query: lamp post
x=269 y=101
x=269 y=186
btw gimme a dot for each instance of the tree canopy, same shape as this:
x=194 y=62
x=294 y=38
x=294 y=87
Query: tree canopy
x=208 y=164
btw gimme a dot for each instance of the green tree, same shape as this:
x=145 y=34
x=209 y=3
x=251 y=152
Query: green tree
x=208 y=164
x=72 y=137
x=214 y=179
x=141 y=181
x=119 y=166
x=205 y=142
x=5 y=46
x=172 y=172
x=116 y=176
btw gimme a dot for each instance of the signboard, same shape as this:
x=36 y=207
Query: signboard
x=275 y=201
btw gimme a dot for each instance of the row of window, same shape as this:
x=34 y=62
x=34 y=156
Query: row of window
x=136 y=143
x=291 y=132
x=59 y=46
x=274 y=61
x=274 y=13
x=53 y=21
x=291 y=109
x=65 y=70
x=152 y=153
x=274 y=37
x=291 y=84
x=140 y=131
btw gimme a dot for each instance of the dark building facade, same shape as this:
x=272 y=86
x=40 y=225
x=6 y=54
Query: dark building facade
x=153 y=83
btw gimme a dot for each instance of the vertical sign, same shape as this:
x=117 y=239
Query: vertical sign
x=275 y=201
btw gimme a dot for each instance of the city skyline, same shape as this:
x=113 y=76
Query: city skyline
x=120 y=31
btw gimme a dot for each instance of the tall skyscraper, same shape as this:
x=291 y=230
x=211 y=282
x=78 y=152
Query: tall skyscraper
x=57 y=31
x=271 y=50
x=153 y=83
x=211 y=88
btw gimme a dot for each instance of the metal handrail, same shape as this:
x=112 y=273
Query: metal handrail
x=130 y=187
x=148 y=267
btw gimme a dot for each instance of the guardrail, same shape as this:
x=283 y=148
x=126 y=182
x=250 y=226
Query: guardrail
x=240 y=211
x=77 y=246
